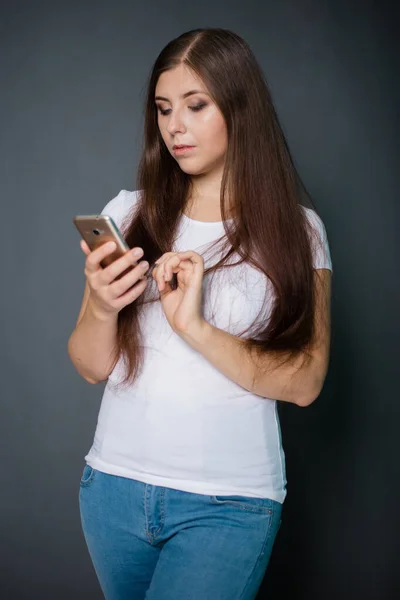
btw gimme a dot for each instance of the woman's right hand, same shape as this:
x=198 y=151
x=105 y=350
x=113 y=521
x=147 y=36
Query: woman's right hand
x=108 y=295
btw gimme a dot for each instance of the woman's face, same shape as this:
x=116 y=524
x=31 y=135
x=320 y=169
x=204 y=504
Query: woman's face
x=193 y=120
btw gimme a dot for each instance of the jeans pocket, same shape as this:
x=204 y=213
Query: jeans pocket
x=247 y=503
x=88 y=475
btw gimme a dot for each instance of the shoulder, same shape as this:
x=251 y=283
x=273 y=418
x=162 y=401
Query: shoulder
x=121 y=206
x=319 y=240
x=313 y=218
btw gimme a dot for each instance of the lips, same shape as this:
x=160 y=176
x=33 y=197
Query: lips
x=181 y=146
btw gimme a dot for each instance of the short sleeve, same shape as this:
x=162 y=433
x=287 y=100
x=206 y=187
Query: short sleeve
x=121 y=206
x=319 y=241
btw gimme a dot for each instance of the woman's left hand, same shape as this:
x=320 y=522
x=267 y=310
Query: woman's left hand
x=182 y=306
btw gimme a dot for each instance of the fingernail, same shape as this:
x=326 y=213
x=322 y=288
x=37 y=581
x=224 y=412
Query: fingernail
x=137 y=252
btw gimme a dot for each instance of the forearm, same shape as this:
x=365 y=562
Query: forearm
x=92 y=343
x=228 y=354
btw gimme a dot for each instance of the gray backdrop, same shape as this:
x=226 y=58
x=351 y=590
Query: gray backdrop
x=72 y=84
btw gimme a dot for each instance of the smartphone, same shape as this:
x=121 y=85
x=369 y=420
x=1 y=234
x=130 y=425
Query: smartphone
x=100 y=229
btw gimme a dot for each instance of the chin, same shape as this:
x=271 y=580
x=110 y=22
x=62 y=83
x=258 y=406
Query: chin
x=192 y=170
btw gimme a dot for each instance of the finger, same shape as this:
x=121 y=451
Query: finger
x=158 y=275
x=193 y=256
x=193 y=265
x=120 y=286
x=131 y=294
x=161 y=260
x=121 y=264
x=85 y=247
x=154 y=267
x=196 y=260
x=96 y=256
x=186 y=265
x=165 y=271
x=171 y=266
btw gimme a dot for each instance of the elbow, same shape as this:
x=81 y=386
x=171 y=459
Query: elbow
x=80 y=368
x=312 y=391
x=304 y=400
x=87 y=378
x=93 y=379
x=90 y=380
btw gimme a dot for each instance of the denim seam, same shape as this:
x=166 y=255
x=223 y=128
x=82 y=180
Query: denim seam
x=88 y=481
x=258 y=558
x=263 y=510
x=162 y=493
x=151 y=535
x=148 y=532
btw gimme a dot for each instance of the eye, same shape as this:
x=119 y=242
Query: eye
x=163 y=112
x=198 y=106
x=195 y=108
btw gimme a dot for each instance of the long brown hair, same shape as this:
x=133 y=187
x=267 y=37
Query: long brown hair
x=270 y=230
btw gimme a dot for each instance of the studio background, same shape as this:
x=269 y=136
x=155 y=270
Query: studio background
x=73 y=76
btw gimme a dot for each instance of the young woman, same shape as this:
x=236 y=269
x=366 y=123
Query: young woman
x=182 y=493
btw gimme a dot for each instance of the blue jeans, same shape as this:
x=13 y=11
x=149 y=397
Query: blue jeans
x=156 y=543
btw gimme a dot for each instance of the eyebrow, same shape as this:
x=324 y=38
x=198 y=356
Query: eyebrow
x=183 y=95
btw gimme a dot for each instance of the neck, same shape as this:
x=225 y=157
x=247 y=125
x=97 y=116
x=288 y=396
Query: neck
x=203 y=203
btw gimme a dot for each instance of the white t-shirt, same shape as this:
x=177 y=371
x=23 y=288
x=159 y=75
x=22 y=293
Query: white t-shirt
x=183 y=424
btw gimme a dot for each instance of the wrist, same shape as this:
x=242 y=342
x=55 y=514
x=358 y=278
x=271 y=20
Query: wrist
x=100 y=315
x=198 y=334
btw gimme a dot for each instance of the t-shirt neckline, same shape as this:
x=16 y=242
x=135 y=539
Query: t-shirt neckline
x=204 y=222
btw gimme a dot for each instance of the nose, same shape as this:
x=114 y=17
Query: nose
x=175 y=123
